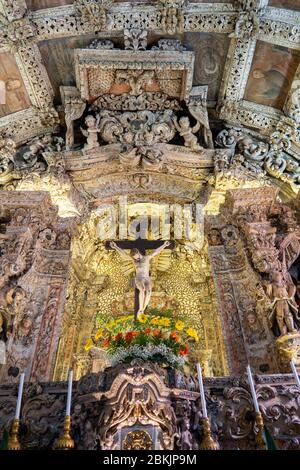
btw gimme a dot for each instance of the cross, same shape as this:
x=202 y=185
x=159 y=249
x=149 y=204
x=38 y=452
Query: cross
x=141 y=245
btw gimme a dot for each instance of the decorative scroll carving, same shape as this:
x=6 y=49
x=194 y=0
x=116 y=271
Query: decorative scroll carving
x=142 y=128
x=263 y=157
x=173 y=421
x=34 y=157
x=144 y=101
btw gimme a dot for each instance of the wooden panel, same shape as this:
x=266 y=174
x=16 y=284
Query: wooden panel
x=16 y=97
x=272 y=72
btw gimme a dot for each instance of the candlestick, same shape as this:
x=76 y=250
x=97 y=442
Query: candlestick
x=295 y=373
x=20 y=393
x=208 y=443
x=13 y=439
x=201 y=389
x=70 y=380
x=252 y=388
x=65 y=442
x=259 y=436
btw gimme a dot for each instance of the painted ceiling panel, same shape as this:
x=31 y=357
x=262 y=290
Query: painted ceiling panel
x=289 y=4
x=16 y=97
x=271 y=74
x=210 y=56
x=39 y=4
x=58 y=59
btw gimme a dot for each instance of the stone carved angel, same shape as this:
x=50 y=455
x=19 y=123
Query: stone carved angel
x=187 y=132
x=91 y=133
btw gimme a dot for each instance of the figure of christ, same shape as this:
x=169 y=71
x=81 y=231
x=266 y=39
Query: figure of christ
x=142 y=278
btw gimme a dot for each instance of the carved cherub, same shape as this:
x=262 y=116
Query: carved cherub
x=91 y=133
x=187 y=132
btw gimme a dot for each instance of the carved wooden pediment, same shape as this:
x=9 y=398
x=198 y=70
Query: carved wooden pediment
x=118 y=72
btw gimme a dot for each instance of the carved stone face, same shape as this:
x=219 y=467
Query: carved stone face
x=184 y=122
x=251 y=318
x=27 y=323
x=90 y=121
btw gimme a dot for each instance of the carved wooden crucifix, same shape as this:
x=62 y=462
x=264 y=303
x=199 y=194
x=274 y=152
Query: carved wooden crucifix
x=141 y=263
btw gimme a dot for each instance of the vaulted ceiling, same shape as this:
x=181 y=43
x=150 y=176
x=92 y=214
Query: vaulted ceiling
x=246 y=51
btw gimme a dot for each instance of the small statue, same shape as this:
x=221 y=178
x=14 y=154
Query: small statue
x=186 y=439
x=284 y=313
x=91 y=133
x=187 y=132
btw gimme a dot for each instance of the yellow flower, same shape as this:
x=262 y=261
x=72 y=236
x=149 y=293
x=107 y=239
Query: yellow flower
x=179 y=325
x=155 y=321
x=98 y=334
x=88 y=344
x=110 y=324
x=191 y=332
x=119 y=320
x=142 y=318
x=164 y=322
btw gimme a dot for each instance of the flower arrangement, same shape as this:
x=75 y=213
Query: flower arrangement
x=155 y=337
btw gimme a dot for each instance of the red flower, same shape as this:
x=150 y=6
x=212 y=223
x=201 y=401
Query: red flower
x=174 y=336
x=105 y=343
x=130 y=335
x=147 y=331
x=183 y=351
x=119 y=336
x=156 y=332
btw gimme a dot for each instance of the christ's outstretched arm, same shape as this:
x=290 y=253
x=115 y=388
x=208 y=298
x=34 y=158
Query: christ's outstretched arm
x=159 y=249
x=120 y=250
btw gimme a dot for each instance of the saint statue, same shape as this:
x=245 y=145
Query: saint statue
x=284 y=310
x=142 y=280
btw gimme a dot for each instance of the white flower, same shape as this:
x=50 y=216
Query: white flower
x=147 y=353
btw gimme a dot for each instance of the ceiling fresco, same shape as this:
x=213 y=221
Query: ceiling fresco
x=39 y=4
x=57 y=56
x=271 y=75
x=16 y=97
x=210 y=57
x=291 y=4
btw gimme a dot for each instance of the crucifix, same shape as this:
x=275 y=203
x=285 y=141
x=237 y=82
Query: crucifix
x=141 y=261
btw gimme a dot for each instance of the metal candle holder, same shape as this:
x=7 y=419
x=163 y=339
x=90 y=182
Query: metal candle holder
x=65 y=442
x=259 y=437
x=13 y=440
x=208 y=442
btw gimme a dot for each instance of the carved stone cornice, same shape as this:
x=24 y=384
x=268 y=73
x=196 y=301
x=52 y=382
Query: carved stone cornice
x=101 y=174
